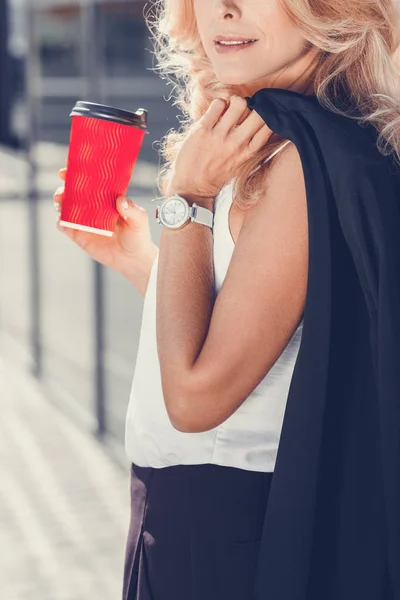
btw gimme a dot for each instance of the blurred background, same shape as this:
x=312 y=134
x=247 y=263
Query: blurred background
x=69 y=328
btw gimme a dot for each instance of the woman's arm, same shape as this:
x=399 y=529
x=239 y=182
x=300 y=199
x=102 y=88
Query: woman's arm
x=212 y=356
x=185 y=296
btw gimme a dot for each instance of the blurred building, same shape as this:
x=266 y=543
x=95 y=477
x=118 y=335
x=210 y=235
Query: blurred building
x=10 y=80
x=63 y=42
x=121 y=33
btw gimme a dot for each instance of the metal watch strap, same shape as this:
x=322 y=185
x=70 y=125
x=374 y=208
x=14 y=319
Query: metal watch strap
x=202 y=215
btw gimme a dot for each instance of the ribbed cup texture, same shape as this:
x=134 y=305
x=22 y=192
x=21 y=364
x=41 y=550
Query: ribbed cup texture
x=101 y=158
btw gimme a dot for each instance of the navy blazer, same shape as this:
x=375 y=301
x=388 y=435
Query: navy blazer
x=332 y=524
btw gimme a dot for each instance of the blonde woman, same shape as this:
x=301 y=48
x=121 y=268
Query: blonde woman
x=264 y=421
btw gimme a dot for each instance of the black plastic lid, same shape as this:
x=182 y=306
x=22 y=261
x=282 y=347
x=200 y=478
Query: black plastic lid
x=110 y=113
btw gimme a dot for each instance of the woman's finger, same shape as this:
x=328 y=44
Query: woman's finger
x=250 y=126
x=58 y=193
x=213 y=114
x=63 y=173
x=57 y=198
x=259 y=139
x=235 y=112
x=72 y=234
x=131 y=213
x=59 y=226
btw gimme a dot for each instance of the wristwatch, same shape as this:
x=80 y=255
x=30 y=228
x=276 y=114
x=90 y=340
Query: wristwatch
x=175 y=212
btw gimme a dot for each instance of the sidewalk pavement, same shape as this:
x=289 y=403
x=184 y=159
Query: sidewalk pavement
x=64 y=503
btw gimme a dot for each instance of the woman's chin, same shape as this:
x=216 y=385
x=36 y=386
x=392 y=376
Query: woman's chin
x=232 y=79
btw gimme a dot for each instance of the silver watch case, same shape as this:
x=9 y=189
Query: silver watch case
x=189 y=213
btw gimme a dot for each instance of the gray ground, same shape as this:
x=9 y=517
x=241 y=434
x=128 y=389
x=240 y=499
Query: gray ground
x=64 y=504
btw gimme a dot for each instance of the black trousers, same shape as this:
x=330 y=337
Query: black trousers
x=194 y=532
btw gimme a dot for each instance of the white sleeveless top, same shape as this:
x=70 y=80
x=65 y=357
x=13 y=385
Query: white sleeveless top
x=249 y=438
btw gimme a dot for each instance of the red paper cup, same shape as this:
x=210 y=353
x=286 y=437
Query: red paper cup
x=104 y=145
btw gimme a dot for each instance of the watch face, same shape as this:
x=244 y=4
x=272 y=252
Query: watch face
x=174 y=212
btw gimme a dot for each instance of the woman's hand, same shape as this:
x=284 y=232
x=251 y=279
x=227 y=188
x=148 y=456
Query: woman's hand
x=129 y=251
x=220 y=142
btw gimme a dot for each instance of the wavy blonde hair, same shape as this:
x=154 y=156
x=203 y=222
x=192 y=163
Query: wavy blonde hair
x=357 y=46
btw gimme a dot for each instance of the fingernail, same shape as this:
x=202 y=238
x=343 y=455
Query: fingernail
x=125 y=204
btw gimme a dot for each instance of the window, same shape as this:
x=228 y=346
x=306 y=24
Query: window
x=125 y=38
x=59 y=40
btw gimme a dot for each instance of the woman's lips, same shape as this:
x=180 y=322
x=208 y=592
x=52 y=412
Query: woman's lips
x=228 y=49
